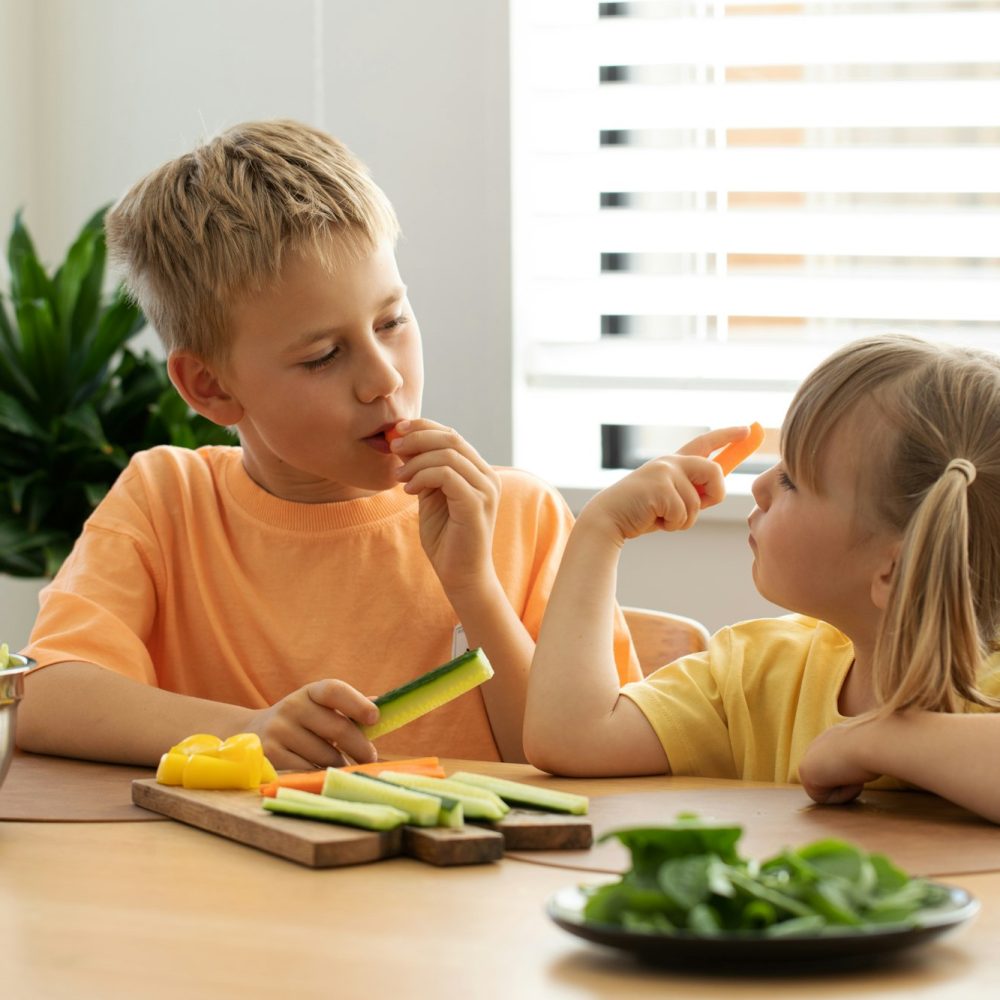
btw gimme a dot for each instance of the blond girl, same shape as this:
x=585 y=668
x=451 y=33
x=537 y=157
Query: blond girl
x=879 y=528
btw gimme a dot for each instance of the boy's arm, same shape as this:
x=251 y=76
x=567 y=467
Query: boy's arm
x=576 y=722
x=953 y=756
x=76 y=709
x=459 y=496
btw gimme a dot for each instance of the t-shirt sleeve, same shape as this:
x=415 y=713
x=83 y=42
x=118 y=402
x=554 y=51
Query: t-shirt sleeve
x=683 y=702
x=100 y=607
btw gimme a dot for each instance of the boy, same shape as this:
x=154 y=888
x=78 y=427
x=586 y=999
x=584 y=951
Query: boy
x=275 y=586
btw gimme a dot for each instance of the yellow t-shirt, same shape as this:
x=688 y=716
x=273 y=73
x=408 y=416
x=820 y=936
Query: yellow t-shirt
x=750 y=705
x=191 y=577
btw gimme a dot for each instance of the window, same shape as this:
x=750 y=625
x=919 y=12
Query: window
x=711 y=196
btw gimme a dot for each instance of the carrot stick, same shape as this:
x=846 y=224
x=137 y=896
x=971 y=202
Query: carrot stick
x=739 y=451
x=428 y=766
x=312 y=781
x=304 y=781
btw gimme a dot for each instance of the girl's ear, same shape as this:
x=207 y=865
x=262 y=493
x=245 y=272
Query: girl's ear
x=885 y=574
x=202 y=390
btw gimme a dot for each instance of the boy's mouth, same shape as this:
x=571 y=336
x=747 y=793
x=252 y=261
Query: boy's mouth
x=378 y=441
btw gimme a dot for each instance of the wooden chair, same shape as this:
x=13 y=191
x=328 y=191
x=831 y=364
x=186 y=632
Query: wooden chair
x=660 y=637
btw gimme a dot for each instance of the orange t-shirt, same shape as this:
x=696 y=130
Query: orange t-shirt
x=191 y=577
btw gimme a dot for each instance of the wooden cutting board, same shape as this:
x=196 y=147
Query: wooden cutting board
x=316 y=844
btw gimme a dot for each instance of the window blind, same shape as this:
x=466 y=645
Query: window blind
x=710 y=196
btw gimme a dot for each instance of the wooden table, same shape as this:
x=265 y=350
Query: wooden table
x=158 y=909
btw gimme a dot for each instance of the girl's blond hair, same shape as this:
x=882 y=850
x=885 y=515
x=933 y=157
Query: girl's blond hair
x=931 y=473
x=218 y=222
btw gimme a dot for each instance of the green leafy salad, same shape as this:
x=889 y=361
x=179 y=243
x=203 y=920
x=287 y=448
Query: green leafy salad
x=688 y=877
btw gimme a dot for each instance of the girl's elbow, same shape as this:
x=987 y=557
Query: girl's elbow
x=547 y=754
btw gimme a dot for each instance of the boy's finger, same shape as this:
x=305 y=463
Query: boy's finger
x=441 y=460
x=424 y=437
x=337 y=696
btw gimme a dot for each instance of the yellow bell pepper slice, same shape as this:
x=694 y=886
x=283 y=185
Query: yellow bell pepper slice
x=203 y=771
x=199 y=743
x=205 y=761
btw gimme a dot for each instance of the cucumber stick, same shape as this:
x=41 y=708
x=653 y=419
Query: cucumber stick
x=474 y=804
x=429 y=691
x=311 y=806
x=421 y=809
x=518 y=793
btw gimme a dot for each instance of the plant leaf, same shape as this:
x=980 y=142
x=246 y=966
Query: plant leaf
x=16 y=486
x=69 y=281
x=88 y=302
x=85 y=421
x=15 y=418
x=28 y=279
x=120 y=321
x=44 y=363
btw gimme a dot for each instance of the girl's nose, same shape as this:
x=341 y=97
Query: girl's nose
x=762 y=487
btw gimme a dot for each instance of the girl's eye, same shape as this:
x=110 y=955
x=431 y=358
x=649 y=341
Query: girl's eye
x=784 y=482
x=327 y=359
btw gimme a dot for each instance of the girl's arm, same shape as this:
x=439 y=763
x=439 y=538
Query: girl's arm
x=953 y=756
x=576 y=723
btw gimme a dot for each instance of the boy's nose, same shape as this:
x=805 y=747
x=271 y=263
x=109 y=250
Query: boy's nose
x=379 y=376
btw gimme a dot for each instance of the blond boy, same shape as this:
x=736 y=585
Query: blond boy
x=276 y=585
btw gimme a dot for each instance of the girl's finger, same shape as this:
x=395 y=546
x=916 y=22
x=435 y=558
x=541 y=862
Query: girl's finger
x=705 y=444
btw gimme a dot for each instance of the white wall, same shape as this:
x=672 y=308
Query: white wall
x=94 y=94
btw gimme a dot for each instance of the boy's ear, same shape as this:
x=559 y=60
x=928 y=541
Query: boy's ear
x=885 y=574
x=202 y=390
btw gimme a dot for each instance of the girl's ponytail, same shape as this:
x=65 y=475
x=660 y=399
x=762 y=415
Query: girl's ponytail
x=929 y=650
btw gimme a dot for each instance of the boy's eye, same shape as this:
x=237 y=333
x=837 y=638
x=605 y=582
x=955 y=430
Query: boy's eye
x=326 y=359
x=393 y=323
x=784 y=482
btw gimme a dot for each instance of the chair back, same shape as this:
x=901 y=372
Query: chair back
x=660 y=637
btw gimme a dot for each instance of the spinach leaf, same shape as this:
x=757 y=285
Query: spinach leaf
x=689 y=877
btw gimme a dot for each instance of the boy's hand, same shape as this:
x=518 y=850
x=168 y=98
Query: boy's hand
x=459 y=495
x=316 y=726
x=831 y=770
x=663 y=494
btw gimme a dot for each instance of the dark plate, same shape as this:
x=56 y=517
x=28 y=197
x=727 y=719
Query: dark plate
x=751 y=948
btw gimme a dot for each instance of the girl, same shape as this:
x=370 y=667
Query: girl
x=880 y=527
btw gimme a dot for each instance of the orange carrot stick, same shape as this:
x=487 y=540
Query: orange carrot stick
x=737 y=452
x=429 y=766
x=740 y=451
x=304 y=781
x=312 y=781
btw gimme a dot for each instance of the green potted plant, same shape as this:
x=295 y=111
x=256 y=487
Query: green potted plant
x=76 y=401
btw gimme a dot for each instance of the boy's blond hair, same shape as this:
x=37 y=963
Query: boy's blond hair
x=219 y=221
x=930 y=472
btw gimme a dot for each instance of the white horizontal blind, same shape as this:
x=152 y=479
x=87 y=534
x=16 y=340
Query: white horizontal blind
x=709 y=197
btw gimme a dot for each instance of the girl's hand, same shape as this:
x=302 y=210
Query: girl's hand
x=459 y=496
x=667 y=493
x=831 y=770
x=316 y=726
